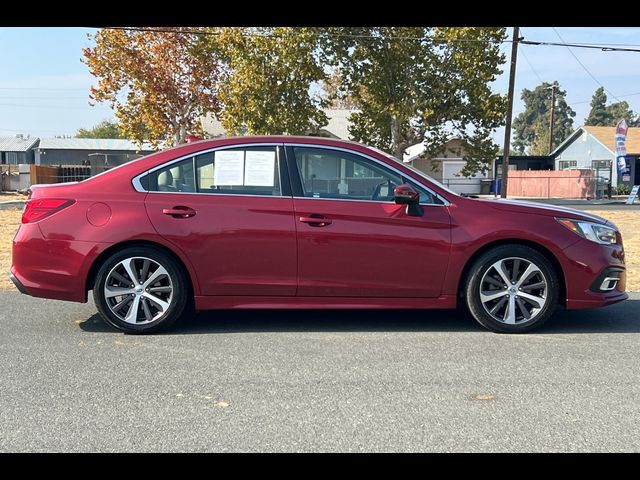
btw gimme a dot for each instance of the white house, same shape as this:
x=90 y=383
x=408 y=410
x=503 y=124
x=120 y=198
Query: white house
x=446 y=166
x=594 y=147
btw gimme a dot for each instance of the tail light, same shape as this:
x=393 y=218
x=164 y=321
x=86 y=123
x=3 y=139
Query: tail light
x=35 y=210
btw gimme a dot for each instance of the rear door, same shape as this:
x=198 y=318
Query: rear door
x=231 y=212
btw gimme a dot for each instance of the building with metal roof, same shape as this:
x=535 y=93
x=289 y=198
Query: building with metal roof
x=17 y=149
x=88 y=151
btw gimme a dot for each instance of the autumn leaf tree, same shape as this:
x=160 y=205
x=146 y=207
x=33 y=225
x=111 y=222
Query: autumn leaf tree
x=422 y=85
x=266 y=80
x=159 y=83
x=336 y=94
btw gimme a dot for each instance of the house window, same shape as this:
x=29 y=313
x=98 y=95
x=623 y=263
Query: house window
x=567 y=164
x=601 y=164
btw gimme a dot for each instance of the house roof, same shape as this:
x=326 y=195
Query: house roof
x=414 y=151
x=337 y=126
x=17 y=143
x=91 y=144
x=606 y=136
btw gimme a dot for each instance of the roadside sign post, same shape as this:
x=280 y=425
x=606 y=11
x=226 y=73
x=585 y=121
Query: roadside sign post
x=633 y=194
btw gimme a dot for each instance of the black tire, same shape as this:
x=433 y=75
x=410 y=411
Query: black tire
x=483 y=264
x=180 y=301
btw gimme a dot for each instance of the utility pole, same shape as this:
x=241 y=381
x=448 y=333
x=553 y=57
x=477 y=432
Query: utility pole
x=507 y=127
x=553 y=113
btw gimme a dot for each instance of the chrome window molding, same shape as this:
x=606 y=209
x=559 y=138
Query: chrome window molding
x=446 y=202
x=137 y=185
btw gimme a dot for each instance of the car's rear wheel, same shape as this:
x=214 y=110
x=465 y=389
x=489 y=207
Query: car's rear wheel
x=141 y=290
x=512 y=289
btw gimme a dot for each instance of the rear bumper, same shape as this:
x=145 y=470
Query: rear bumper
x=18 y=284
x=51 y=268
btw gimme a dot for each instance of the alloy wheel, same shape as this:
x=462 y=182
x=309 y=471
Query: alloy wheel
x=138 y=290
x=513 y=290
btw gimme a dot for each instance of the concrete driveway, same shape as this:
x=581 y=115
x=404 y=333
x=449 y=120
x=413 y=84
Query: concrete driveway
x=317 y=381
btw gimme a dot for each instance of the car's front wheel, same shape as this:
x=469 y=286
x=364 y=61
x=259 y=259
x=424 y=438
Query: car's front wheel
x=141 y=290
x=512 y=289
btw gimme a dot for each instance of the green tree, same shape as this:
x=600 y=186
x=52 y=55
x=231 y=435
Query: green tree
x=268 y=72
x=159 y=83
x=105 y=129
x=422 y=85
x=529 y=126
x=620 y=110
x=605 y=115
x=598 y=114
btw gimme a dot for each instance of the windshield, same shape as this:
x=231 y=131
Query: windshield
x=419 y=172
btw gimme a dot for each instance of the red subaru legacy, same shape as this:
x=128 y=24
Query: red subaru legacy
x=301 y=222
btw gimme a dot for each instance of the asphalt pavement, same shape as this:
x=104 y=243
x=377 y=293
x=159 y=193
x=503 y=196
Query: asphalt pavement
x=317 y=381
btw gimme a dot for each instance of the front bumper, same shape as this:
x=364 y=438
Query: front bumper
x=586 y=264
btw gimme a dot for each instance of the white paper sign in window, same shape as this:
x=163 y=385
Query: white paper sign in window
x=259 y=169
x=229 y=168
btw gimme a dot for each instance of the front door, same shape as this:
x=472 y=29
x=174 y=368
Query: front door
x=353 y=240
x=231 y=214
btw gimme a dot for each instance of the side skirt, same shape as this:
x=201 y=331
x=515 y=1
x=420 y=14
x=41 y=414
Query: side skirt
x=224 y=302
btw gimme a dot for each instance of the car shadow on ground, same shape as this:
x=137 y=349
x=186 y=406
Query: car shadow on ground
x=621 y=318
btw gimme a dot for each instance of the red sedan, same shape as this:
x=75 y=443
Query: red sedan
x=301 y=222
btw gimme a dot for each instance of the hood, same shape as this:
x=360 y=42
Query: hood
x=542 y=209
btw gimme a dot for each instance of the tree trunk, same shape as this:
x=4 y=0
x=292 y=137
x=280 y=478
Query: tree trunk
x=396 y=142
x=180 y=136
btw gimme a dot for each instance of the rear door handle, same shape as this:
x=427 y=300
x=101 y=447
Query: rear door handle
x=316 y=220
x=179 y=211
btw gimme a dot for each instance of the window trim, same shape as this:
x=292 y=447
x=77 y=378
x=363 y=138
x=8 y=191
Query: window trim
x=293 y=165
x=285 y=186
x=287 y=179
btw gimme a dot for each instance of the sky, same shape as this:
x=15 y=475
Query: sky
x=44 y=86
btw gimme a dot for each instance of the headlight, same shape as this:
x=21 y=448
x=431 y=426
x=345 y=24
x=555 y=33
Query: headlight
x=595 y=232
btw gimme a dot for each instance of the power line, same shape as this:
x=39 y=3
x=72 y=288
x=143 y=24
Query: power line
x=277 y=35
x=531 y=66
x=584 y=67
x=50 y=106
x=619 y=96
x=41 y=88
x=43 y=98
x=605 y=47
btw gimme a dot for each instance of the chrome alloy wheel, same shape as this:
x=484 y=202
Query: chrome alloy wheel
x=513 y=290
x=138 y=290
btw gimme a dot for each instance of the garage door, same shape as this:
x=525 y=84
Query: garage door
x=460 y=184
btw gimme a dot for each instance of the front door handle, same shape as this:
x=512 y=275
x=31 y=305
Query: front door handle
x=315 y=220
x=179 y=211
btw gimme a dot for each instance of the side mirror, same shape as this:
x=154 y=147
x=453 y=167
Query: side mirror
x=405 y=194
